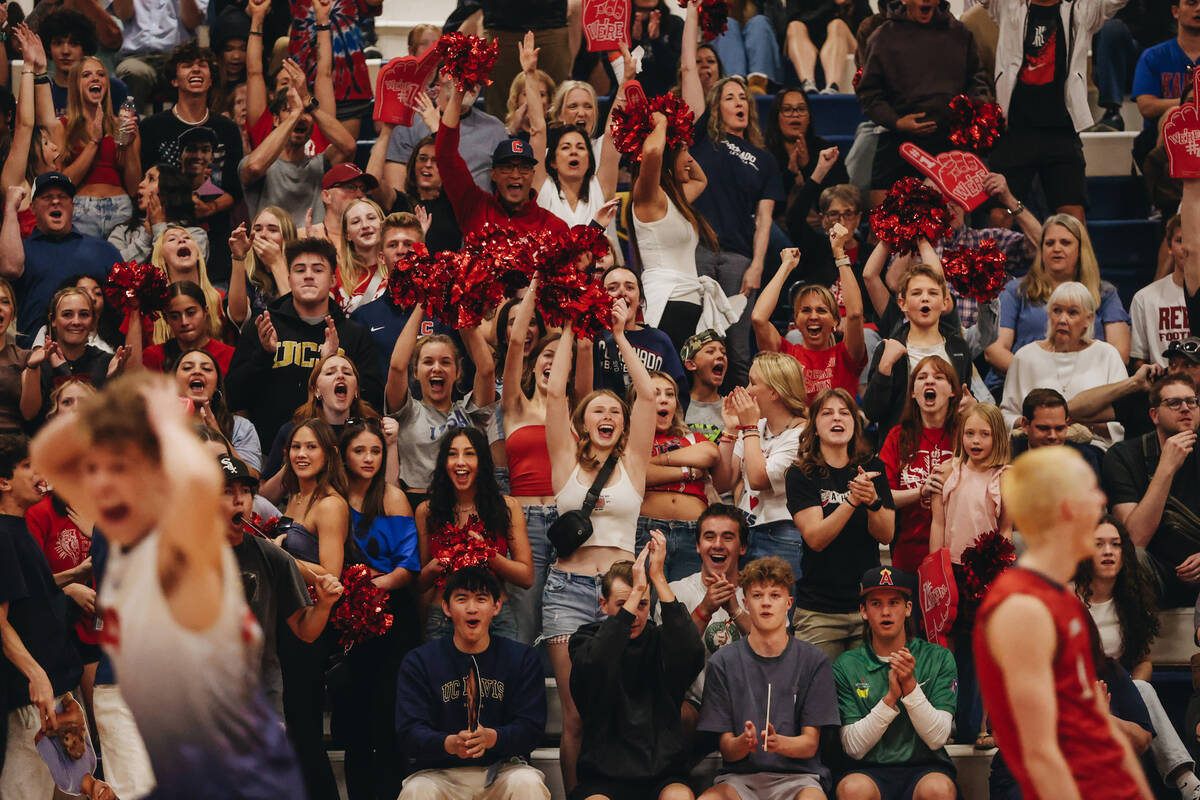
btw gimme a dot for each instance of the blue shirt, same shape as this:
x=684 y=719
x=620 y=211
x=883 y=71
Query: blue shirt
x=385 y=321
x=745 y=174
x=49 y=260
x=653 y=347
x=1160 y=72
x=1028 y=321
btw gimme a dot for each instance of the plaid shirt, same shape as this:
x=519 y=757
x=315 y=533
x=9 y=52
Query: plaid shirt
x=1015 y=246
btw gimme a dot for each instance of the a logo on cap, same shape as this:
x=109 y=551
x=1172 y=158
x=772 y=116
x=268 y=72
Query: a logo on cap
x=227 y=465
x=885 y=577
x=518 y=146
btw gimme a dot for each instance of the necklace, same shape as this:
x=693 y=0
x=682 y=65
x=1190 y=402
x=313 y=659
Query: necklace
x=178 y=116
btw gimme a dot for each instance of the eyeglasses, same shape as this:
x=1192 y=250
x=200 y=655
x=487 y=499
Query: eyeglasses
x=793 y=111
x=1175 y=403
x=519 y=167
x=838 y=216
x=366 y=422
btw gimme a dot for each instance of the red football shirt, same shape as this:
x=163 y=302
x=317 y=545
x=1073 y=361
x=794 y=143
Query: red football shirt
x=1093 y=755
x=826 y=369
x=911 y=544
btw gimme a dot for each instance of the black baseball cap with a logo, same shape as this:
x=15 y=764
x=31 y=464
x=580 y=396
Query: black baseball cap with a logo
x=885 y=578
x=513 y=150
x=236 y=471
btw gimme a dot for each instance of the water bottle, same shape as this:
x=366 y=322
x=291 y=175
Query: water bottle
x=128 y=111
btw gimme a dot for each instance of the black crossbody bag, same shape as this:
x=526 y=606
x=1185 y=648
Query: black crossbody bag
x=573 y=528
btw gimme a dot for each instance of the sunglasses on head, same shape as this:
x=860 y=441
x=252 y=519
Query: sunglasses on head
x=1188 y=346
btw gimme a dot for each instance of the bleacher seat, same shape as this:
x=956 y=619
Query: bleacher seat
x=1127 y=250
x=1116 y=197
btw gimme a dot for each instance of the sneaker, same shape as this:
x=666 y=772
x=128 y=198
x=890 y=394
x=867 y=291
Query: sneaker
x=831 y=89
x=808 y=87
x=1111 y=122
x=756 y=83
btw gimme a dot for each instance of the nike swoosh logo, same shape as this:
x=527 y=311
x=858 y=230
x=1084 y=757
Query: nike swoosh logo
x=377 y=329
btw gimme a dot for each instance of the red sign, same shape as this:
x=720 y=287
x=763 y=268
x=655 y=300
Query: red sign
x=606 y=24
x=397 y=86
x=635 y=96
x=1181 y=136
x=958 y=174
x=938 y=595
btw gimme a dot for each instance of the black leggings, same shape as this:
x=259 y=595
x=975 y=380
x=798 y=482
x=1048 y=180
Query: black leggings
x=679 y=321
x=303 y=667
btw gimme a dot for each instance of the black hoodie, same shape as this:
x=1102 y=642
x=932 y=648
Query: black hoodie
x=269 y=387
x=911 y=68
x=629 y=691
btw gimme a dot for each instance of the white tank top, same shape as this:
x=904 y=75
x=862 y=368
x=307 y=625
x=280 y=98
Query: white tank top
x=194 y=694
x=614 y=519
x=668 y=251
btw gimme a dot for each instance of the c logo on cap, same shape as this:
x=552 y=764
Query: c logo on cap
x=518 y=146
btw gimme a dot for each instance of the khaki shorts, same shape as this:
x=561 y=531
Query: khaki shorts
x=770 y=785
x=834 y=634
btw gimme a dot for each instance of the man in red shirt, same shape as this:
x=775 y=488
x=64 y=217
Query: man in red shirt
x=1033 y=649
x=512 y=203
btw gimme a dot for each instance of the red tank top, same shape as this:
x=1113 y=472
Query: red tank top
x=528 y=462
x=1093 y=755
x=665 y=443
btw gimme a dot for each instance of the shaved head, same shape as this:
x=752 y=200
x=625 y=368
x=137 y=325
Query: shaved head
x=1049 y=488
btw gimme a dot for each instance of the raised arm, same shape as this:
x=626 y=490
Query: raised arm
x=765 y=333
x=610 y=160
x=256 y=84
x=649 y=200
x=559 y=438
x=483 y=392
x=43 y=101
x=12 y=250
x=17 y=161
x=395 y=391
x=263 y=156
x=535 y=112
x=642 y=415
x=852 y=301
x=689 y=76
x=377 y=167
x=877 y=290
x=514 y=355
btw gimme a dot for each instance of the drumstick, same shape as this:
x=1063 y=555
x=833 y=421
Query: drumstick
x=768 y=723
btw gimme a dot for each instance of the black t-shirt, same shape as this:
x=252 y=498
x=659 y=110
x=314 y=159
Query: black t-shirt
x=274 y=591
x=527 y=15
x=160 y=142
x=1038 y=99
x=830 y=580
x=37 y=611
x=1128 y=468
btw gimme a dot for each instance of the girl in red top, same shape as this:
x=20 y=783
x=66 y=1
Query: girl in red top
x=177 y=254
x=361 y=273
x=676 y=480
x=917 y=454
x=828 y=363
x=107 y=174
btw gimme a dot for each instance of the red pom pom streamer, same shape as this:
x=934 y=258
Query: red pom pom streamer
x=255 y=525
x=133 y=285
x=983 y=562
x=857 y=79
x=565 y=293
x=975 y=125
x=467 y=59
x=462 y=546
x=976 y=272
x=361 y=613
x=910 y=212
x=714 y=17
x=630 y=127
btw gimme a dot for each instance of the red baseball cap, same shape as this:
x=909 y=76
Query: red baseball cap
x=345 y=173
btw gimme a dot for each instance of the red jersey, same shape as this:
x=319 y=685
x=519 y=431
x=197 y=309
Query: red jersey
x=667 y=442
x=1093 y=755
x=826 y=369
x=65 y=547
x=911 y=544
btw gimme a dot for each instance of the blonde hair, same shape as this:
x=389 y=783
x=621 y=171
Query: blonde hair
x=77 y=124
x=1039 y=480
x=162 y=331
x=769 y=571
x=1036 y=284
x=516 y=93
x=716 y=126
x=826 y=296
x=1001 y=447
x=1073 y=293
x=260 y=275
x=350 y=268
x=10 y=335
x=560 y=100
x=784 y=375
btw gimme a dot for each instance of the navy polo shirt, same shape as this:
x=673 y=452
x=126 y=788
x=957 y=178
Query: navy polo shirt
x=384 y=322
x=49 y=260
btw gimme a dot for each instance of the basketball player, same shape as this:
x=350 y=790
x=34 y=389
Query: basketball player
x=175 y=621
x=1032 y=647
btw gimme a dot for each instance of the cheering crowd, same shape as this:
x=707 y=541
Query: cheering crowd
x=254 y=475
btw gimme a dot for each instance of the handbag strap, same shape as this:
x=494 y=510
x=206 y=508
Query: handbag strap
x=593 y=495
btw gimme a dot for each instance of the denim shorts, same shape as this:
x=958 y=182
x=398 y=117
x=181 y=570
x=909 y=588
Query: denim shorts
x=98 y=216
x=527 y=603
x=682 y=558
x=570 y=602
x=781 y=539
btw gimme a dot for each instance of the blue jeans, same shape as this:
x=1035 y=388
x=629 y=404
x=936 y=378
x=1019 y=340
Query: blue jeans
x=439 y=626
x=776 y=539
x=527 y=603
x=97 y=216
x=571 y=600
x=1114 y=55
x=749 y=48
x=682 y=558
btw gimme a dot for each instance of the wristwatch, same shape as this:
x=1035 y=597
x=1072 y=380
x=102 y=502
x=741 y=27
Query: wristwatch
x=312 y=105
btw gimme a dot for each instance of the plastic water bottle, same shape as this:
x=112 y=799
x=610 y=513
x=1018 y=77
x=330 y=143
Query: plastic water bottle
x=128 y=112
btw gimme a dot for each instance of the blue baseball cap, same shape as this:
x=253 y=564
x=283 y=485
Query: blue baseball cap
x=513 y=150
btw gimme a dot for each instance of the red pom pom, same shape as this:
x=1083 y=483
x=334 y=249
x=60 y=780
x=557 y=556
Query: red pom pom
x=977 y=272
x=413 y=272
x=911 y=211
x=975 y=125
x=361 y=613
x=714 y=17
x=631 y=127
x=564 y=293
x=857 y=77
x=132 y=285
x=458 y=546
x=983 y=562
x=467 y=59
